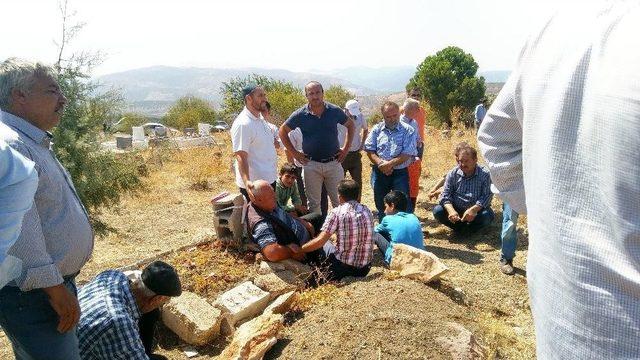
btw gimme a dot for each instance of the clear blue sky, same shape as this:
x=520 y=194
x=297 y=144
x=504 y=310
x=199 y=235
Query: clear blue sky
x=296 y=35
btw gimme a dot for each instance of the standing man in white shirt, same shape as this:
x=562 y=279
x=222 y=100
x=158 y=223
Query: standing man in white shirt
x=353 y=161
x=253 y=143
x=561 y=141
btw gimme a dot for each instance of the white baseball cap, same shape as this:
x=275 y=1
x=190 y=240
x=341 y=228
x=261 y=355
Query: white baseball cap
x=353 y=106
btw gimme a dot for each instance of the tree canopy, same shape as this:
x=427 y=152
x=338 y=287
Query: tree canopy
x=447 y=80
x=283 y=96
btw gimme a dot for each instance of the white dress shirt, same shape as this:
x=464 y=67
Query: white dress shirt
x=565 y=132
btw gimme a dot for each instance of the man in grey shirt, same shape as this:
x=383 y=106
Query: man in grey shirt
x=39 y=310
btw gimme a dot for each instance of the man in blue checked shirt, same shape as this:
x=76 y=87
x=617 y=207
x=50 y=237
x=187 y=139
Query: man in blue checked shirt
x=120 y=310
x=465 y=202
x=391 y=147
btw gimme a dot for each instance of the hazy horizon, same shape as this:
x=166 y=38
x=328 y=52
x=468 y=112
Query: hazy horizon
x=282 y=34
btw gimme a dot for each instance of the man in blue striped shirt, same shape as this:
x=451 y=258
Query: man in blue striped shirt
x=119 y=312
x=391 y=147
x=465 y=202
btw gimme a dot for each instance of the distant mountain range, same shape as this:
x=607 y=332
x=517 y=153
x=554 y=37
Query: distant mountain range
x=152 y=90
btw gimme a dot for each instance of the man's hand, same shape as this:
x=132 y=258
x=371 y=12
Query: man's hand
x=301 y=157
x=309 y=227
x=386 y=167
x=65 y=304
x=434 y=194
x=302 y=209
x=249 y=187
x=342 y=154
x=297 y=252
x=454 y=217
x=469 y=215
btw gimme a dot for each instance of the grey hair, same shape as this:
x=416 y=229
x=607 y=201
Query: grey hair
x=137 y=283
x=410 y=104
x=20 y=74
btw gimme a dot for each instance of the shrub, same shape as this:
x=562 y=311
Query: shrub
x=100 y=177
x=338 y=95
x=188 y=111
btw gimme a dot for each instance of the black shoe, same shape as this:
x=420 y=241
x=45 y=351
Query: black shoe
x=506 y=266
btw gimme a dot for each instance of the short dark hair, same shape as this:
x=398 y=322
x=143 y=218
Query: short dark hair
x=468 y=150
x=398 y=199
x=288 y=169
x=388 y=104
x=349 y=189
x=313 y=83
x=267 y=105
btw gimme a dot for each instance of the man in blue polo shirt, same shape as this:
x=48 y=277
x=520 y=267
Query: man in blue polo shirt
x=321 y=153
x=391 y=147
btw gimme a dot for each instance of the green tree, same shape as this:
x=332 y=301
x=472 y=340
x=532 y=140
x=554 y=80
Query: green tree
x=338 y=95
x=283 y=96
x=448 y=79
x=100 y=177
x=188 y=111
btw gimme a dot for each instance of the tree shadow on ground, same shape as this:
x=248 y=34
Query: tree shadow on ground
x=490 y=235
x=468 y=257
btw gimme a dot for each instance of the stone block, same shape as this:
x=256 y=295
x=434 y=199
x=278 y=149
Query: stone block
x=192 y=318
x=462 y=346
x=254 y=338
x=297 y=267
x=267 y=267
x=282 y=304
x=244 y=301
x=416 y=264
x=278 y=283
x=227 y=217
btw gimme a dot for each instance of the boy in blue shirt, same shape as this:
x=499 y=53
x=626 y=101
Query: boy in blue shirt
x=398 y=226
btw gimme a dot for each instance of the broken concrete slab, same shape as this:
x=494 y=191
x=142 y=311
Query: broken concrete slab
x=267 y=267
x=462 y=346
x=297 y=267
x=278 y=283
x=192 y=318
x=282 y=304
x=243 y=301
x=254 y=338
x=416 y=264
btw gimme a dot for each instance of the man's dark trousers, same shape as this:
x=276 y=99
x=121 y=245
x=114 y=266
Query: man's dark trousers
x=382 y=184
x=482 y=219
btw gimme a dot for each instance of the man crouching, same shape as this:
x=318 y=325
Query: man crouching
x=120 y=312
x=275 y=230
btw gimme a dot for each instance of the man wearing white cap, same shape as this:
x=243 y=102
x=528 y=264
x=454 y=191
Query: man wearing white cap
x=353 y=161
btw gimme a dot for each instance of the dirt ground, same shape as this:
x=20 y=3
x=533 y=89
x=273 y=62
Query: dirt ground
x=379 y=317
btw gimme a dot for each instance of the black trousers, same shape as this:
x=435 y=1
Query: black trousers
x=147 y=324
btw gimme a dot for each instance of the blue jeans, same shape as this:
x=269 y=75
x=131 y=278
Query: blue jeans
x=482 y=219
x=509 y=235
x=30 y=323
x=382 y=184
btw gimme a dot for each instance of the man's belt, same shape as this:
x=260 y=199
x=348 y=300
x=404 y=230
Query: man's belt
x=324 y=161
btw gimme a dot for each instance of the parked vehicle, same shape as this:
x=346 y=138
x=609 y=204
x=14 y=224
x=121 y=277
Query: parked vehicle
x=220 y=126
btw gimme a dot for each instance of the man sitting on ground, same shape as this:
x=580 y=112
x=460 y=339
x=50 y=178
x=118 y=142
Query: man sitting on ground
x=278 y=234
x=286 y=189
x=398 y=226
x=119 y=311
x=352 y=223
x=465 y=202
